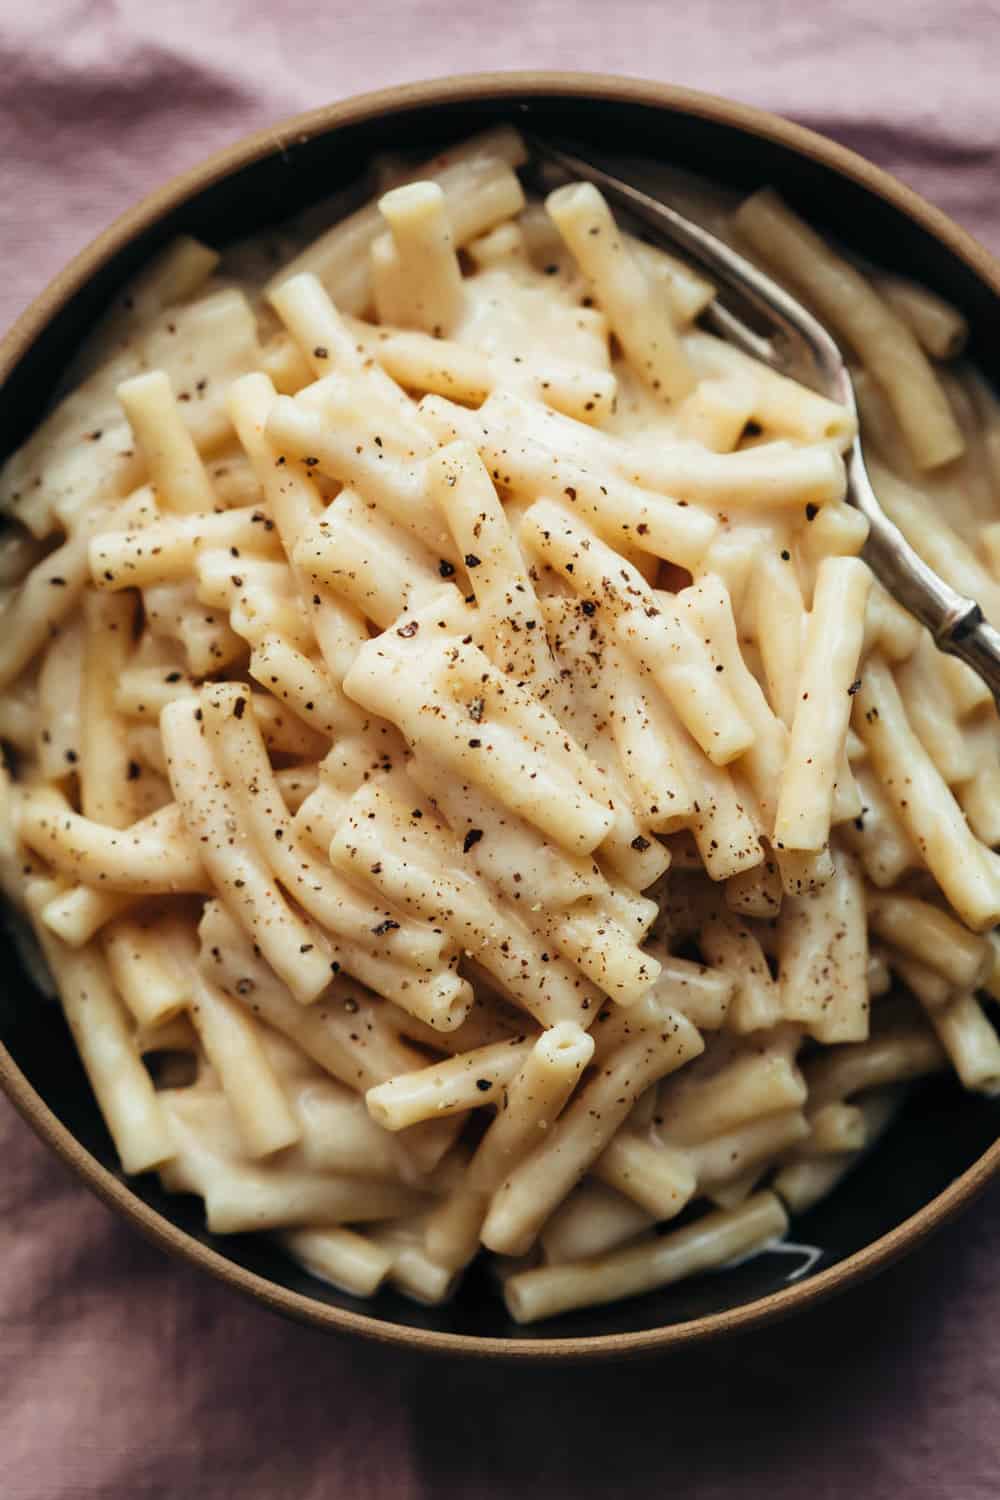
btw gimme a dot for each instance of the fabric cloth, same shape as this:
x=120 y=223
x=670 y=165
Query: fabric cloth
x=125 y=1375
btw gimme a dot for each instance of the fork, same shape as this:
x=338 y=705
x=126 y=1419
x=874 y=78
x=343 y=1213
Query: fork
x=797 y=344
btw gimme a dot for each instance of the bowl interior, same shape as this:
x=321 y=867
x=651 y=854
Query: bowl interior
x=942 y=1131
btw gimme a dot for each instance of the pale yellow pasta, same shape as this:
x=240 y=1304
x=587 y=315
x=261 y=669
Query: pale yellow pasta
x=659 y=1178
x=827 y=674
x=890 y=1056
x=932 y=937
x=758 y=1084
x=725 y=1158
x=594 y=1218
x=298 y=951
x=637 y=311
x=505 y=595
x=939 y=327
x=528 y=1107
x=837 y=1127
x=177 y=473
x=731 y=945
x=151 y=857
x=58 y=705
x=808 y=1178
x=525 y=1200
x=230 y=1040
x=416 y=278
x=444 y=367
x=98 y=1022
x=146 y=958
x=923 y=803
x=710 y=1241
x=823 y=956
x=779 y=405
x=613 y=505
x=470 y=795
x=849 y=304
x=348 y=1260
x=448 y=1087
x=970 y=1041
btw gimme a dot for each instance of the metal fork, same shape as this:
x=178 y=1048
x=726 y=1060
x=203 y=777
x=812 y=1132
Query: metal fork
x=796 y=344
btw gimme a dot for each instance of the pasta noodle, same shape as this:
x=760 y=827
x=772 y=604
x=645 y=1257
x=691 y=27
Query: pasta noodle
x=468 y=790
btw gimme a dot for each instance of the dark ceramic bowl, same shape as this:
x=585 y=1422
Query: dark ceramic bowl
x=944 y=1148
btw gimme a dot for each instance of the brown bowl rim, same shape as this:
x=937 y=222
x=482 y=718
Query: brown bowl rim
x=519 y=86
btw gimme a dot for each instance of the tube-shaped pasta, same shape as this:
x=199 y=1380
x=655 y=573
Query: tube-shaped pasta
x=480 y=190
x=443 y=367
x=780 y=405
x=758 y=1084
x=613 y=506
x=710 y=1241
x=531 y=1103
x=49 y=593
x=446 y=1088
x=891 y=1056
x=504 y=847
x=293 y=501
x=370 y=562
x=807 y=1179
x=931 y=936
x=59 y=694
x=76 y=914
x=851 y=306
x=823 y=956
x=939 y=327
x=828 y=674
x=346 y=1259
x=415 y=274
x=296 y=949
x=533 y=1190
x=241 y=1199
x=701 y=993
x=640 y=318
x=532 y=781
x=593 y=1219
x=151 y=857
x=175 y=468
x=230 y=1039
x=341 y=909
x=142 y=955
x=105 y=782
x=779 y=619
x=659 y=1178
x=732 y=946
x=395 y=847
x=930 y=710
x=165 y=550
x=348 y=1032
x=727 y=1157
x=505 y=595
x=98 y=1022
x=305 y=308
x=756 y=891
x=970 y=1041
x=922 y=802
x=837 y=1127
x=528 y=1108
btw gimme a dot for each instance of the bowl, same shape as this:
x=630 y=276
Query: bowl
x=944 y=1148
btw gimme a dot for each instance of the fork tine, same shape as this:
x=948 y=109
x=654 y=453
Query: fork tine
x=795 y=333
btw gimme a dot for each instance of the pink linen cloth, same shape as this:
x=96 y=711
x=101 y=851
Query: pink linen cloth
x=125 y=1375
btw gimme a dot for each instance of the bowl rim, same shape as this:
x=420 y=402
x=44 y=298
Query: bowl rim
x=519 y=87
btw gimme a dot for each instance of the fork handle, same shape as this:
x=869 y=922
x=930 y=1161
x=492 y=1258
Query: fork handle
x=955 y=621
x=974 y=640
